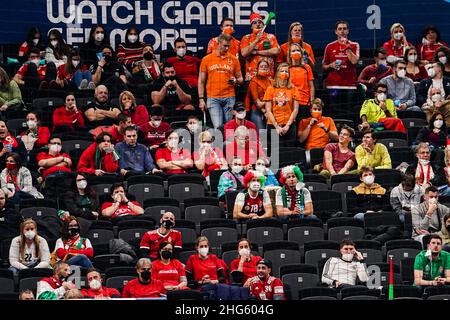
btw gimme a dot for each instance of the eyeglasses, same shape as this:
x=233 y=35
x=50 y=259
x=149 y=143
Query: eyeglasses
x=381 y=91
x=208 y=141
x=57 y=143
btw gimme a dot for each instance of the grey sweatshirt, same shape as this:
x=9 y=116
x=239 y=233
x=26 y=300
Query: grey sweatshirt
x=400 y=89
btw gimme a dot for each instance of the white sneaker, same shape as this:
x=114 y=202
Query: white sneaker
x=83 y=84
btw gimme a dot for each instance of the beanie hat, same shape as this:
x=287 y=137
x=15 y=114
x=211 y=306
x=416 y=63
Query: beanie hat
x=48 y=295
x=291 y=169
x=255 y=16
x=254 y=174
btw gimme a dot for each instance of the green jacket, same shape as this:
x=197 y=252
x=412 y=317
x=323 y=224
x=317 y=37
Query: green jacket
x=432 y=269
x=11 y=96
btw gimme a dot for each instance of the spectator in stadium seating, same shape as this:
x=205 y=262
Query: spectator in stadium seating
x=253 y=202
x=295 y=35
x=56 y=285
x=168 y=270
x=75 y=74
x=53 y=162
x=143 y=286
x=16 y=181
x=34 y=40
x=81 y=200
x=26 y=295
x=28 y=250
x=316 y=131
x=380 y=111
x=127 y=104
x=100 y=157
x=117 y=130
x=341 y=272
x=10 y=220
x=10 y=95
x=154 y=128
x=436 y=132
x=170 y=91
x=406 y=196
x=151 y=240
x=397 y=45
x=147 y=70
x=373 y=73
x=226 y=27
x=96 y=290
x=262 y=165
x=339 y=64
x=370 y=196
x=432 y=266
x=208 y=158
x=282 y=100
x=414 y=70
x=232 y=179
x=372 y=154
x=294 y=199
x=130 y=51
x=57 y=50
x=445 y=232
x=68 y=116
x=239 y=114
x=442 y=55
x=36 y=136
x=121 y=206
x=186 y=66
x=98 y=38
x=243 y=268
x=436 y=103
x=73 y=294
x=71 y=247
x=220 y=71
x=301 y=76
x=193 y=127
x=401 y=88
x=264 y=286
x=254 y=100
x=134 y=158
x=337 y=157
x=108 y=72
x=9 y=144
x=244 y=147
x=427 y=217
x=100 y=112
x=446 y=191
x=258 y=45
x=431 y=42
x=437 y=80
x=172 y=159
x=426 y=173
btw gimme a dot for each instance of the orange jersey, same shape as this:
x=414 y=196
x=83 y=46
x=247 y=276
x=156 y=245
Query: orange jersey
x=219 y=70
x=317 y=137
x=256 y=90
x=282 y=103
x=300 y=78
x=213 y=44
x=282 y=56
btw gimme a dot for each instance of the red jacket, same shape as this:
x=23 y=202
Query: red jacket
x=62 y=117
x=104 y=291
x=87 y=161
x=135 y=289
x=139 y=116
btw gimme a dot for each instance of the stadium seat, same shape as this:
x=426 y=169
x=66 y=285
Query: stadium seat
x=344 y=187
x=384 y=277
x=38 y=212
x=326 y=203
x=120 y=271
x=296 y=281
x=230 y=198
x=101 y=190
x=414 y=122
x=344 y=232
x=9 y=296
x=145 y=178
x=347 y=177
x=136 y=222
x=399 y=155
x=70 y=145
x=16 y=126
x=132 y=236
x=304 y=234
x=400 y=254
x=214 y=178
x=187 y=235
x=157 y=211
x=316 y=186
x=280 y=257
x=375 y=219
x=388 y=178
x=314 y=256
x=197 y=201
x=29 y=283
x=314 y=157
x=202 y=212
x=393 y=143
x=407 y=270
x=186 y=178
x=118 y=282
x=144 y=191
x=389 y=134
x=405 y=114
x=403 y=291
x=405 y=243
x=47 y=103
x=35 y=273
x=358 y=290
x=184 y=295
x=291 y=156
x=434 y=291
x=184 y=255
x=6 y=285
x=6 y=273
x=317 y=292
x=218 y=235
x=183 y=191
x=277 y=245
x=360 y=298
x=311 y=177
x=440 y=297
x=105 y=261
x=262 y=235
x=28 y=203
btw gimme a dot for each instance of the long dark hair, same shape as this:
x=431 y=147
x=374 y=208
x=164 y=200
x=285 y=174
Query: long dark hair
x=30 y=36
x=89 y=190
x=75 y=52
x=161 y=246
x=16 y=158
x=127 y=43
x=91 y=40
x=4 y=80
x=65 y=228
x=62 y=49
x=431 y=123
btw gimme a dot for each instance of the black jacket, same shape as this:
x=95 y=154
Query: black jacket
x=422 y=92
x=439 y=174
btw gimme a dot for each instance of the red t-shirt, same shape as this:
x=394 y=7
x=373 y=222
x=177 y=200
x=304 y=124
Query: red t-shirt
x=392 y=50
x=135 y=289
x=154 y=136
x=345 y=77
x=116 y=136
x=200 y=268
x=139 y=116
x=168 y=274
x=187 y=69
x=248 y=268
x=230 y=127
x=123 y=209
x=265 y=290
x=212 y=161
x=104 y=291
x=339 y=159
x=426 y=52
x=252 y=152
x=9 y=139
x=64 y=75
x=152 y=239
x=63 y=117
x=24 y=68
x=168 y=155
x=50 y=170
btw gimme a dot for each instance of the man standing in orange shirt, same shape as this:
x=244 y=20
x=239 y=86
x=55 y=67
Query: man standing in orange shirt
x=316 y=131
x=223 y=72
x=226 y=26
x=258 y=45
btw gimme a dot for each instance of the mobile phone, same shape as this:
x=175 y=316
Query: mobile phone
x=99 y=56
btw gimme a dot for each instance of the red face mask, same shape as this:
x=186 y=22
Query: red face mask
x=283 y=76
x=263 y=73
x=11 y=166
x=296 y=56
x=228 y=30
x=316 y=114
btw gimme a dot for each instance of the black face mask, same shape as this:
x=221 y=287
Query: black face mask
x=167 y=224
x=148 y=56
x=171 y=78
x=108 y=58
x=145 y=275
x=63 y=279
x=448 y=227
x=74 y=231
x=166 y=255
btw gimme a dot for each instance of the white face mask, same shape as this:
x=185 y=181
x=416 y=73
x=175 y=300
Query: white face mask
x=425 y=41
x=132 y=39
x=255 y=186
x=54 y=43
x=181 y=52
x=99 y=37
x=412 y=58
x=401 y=73
x=109 y=149
x=95 y=284
x=203 y=251
x=206 y=145
x=382 y=62
x=261 y=168
x=36 y=62
x=82 y=184
x=438 y=123
x=436 y=97
x=55 y=148
x=31 y=124
x=236 y=169
x=75 y=63
x=35 y=41
x=244 y=252
x=347 y=257
x=431 y=72
x=443 y=59
x=381 y=96
x=241 y=115
x=156 y=123
x=398 y=35
x=424 y=162
x=369 y=180
x=173 y=143
x=193 y=127
x=30 y=234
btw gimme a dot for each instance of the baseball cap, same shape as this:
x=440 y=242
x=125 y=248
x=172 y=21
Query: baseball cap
x=265 y=262
x=239 y=106
x=255 y=16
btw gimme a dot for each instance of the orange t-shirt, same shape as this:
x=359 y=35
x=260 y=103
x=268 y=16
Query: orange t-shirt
x=300 y=77
x=213 y=44
x=282 y=56
x=282 y=103
x=256 y=90
x=219 y=70
x=268 y=41
x=317 y=137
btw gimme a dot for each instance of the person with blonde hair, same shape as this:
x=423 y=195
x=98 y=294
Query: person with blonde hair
x=295 y=35
x=128 y=106
x=445 y=232
x=397 y=45
x=208 y=158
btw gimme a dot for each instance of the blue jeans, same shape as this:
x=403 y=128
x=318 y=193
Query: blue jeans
x=310 y=217
x=258 y=118
x=220 y=110
x=80 y=260
x=80 y=75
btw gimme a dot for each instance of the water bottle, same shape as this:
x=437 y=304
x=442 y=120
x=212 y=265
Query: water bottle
x=302 y=211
